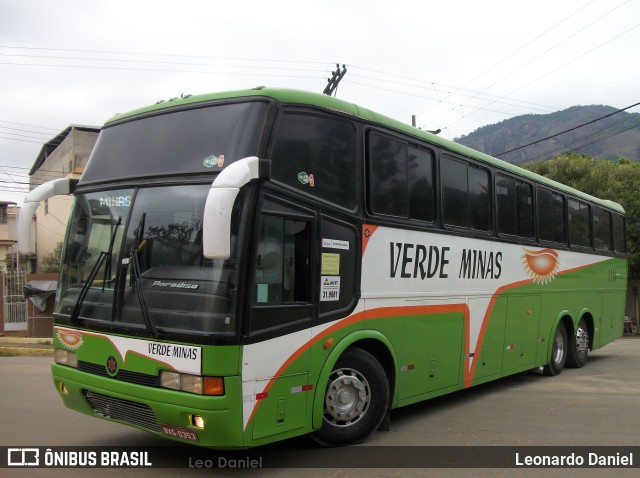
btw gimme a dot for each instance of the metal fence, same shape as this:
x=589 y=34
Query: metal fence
x=13 y=301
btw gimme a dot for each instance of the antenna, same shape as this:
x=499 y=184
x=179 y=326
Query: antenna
x=337 y=75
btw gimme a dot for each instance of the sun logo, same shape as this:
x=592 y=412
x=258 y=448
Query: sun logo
x=541 y=265
x=71 y=340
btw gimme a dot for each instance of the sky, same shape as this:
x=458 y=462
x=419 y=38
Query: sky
x=457 y=65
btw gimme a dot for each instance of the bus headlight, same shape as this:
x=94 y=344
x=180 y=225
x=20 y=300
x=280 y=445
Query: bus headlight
x=192 y=383
x=170 y=380
x=64 y=357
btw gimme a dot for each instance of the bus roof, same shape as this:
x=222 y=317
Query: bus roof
x=291 y=96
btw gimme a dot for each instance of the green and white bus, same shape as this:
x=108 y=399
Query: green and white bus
x=245 y=267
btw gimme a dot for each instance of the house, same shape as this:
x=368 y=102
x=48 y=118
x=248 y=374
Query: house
x=8 y=214
x=64 y=155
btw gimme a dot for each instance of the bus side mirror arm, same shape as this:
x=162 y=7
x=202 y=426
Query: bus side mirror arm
x=57 y=187
x=216 y=234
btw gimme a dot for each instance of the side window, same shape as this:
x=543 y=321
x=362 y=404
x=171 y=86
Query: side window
x=388 y=176
x=421 y=191
x=514 y=200
x=283 y=269
x=601 y=229
x=282 y=264
x=400 y=179
x=465 y=195
x=579 y=224
x=524 y=197
x=551 y=218
x=619 y=241
x=316 y=154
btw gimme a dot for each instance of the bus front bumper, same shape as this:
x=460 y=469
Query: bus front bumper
x=185 y=417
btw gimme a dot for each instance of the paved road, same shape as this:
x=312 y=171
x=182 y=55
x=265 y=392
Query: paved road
x=598 y=405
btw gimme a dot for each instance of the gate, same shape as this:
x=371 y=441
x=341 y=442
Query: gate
x=14 y=303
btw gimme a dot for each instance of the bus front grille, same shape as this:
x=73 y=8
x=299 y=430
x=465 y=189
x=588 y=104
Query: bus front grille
x=118 y=409
x=122 y=375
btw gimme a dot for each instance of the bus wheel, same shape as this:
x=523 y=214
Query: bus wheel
x=579 y=349
x=355 y=400
x=558 y=352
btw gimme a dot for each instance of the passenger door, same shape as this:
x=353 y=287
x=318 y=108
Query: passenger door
x=275 y=362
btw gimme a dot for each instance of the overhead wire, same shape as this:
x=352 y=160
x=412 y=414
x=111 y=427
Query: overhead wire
x=592 y=138
x=533 y=40
x=474 y=110
x=555 y=135
x=564 y=65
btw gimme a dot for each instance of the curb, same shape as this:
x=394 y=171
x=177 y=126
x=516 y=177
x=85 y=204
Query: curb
x=25 y=352
x=25 y=347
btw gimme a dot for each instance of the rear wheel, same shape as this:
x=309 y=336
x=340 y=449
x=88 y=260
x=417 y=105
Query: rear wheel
x=558 y=352
x=579 y=348
x=355 y=401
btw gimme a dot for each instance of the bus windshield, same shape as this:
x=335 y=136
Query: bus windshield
x=134 y=259
x=199 y=140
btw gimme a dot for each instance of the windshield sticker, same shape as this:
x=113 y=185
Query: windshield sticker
x=330 y=264
x=305 y=178
x=335 y=244
x=213 y=160
x=115 y=201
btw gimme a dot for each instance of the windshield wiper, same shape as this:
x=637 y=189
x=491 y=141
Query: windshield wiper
x=136 y=275
x=107 y=269
x=104 y=256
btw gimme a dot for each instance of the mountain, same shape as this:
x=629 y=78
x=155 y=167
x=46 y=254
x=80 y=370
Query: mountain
x=609 y=138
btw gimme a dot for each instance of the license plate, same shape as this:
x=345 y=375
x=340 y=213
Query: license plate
x=179 y=432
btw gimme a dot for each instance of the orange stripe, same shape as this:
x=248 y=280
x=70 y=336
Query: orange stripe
x=367 y=232
x=388 y=312
x=380 y=313
x=485 y=320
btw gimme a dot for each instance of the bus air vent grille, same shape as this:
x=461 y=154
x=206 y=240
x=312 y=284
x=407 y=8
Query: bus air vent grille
x=137 y=414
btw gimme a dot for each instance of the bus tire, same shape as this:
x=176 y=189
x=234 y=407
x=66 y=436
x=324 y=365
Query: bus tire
x=579 y=347
x=559 y=352
x=356 y=399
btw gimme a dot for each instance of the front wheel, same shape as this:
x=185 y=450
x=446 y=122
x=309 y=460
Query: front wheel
x=579 y=348
x=355 y=401
x=558 y=352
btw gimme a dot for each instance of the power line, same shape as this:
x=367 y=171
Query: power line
x=523 y=104
x=425 y=85
x=156 y=70
x=21 y=140
x=564 y=65
x=117 y=60
x=515 y=52
x=556 y=45
x=613 y=130
x=29 y=125
x=567 y=130
x=178 y=55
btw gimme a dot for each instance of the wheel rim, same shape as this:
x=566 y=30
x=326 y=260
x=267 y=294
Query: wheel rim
x=348 y=397
x=558 y=347
x=582 y=341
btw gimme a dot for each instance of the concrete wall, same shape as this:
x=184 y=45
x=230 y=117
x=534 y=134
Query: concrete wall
x=52 y=215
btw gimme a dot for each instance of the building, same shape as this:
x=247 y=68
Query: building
x=8 y=213
x=64 y=155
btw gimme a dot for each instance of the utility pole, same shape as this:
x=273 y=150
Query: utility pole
x=337 y=75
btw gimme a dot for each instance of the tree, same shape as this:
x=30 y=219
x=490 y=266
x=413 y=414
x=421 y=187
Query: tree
x=616 y=181
x=51 y=262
